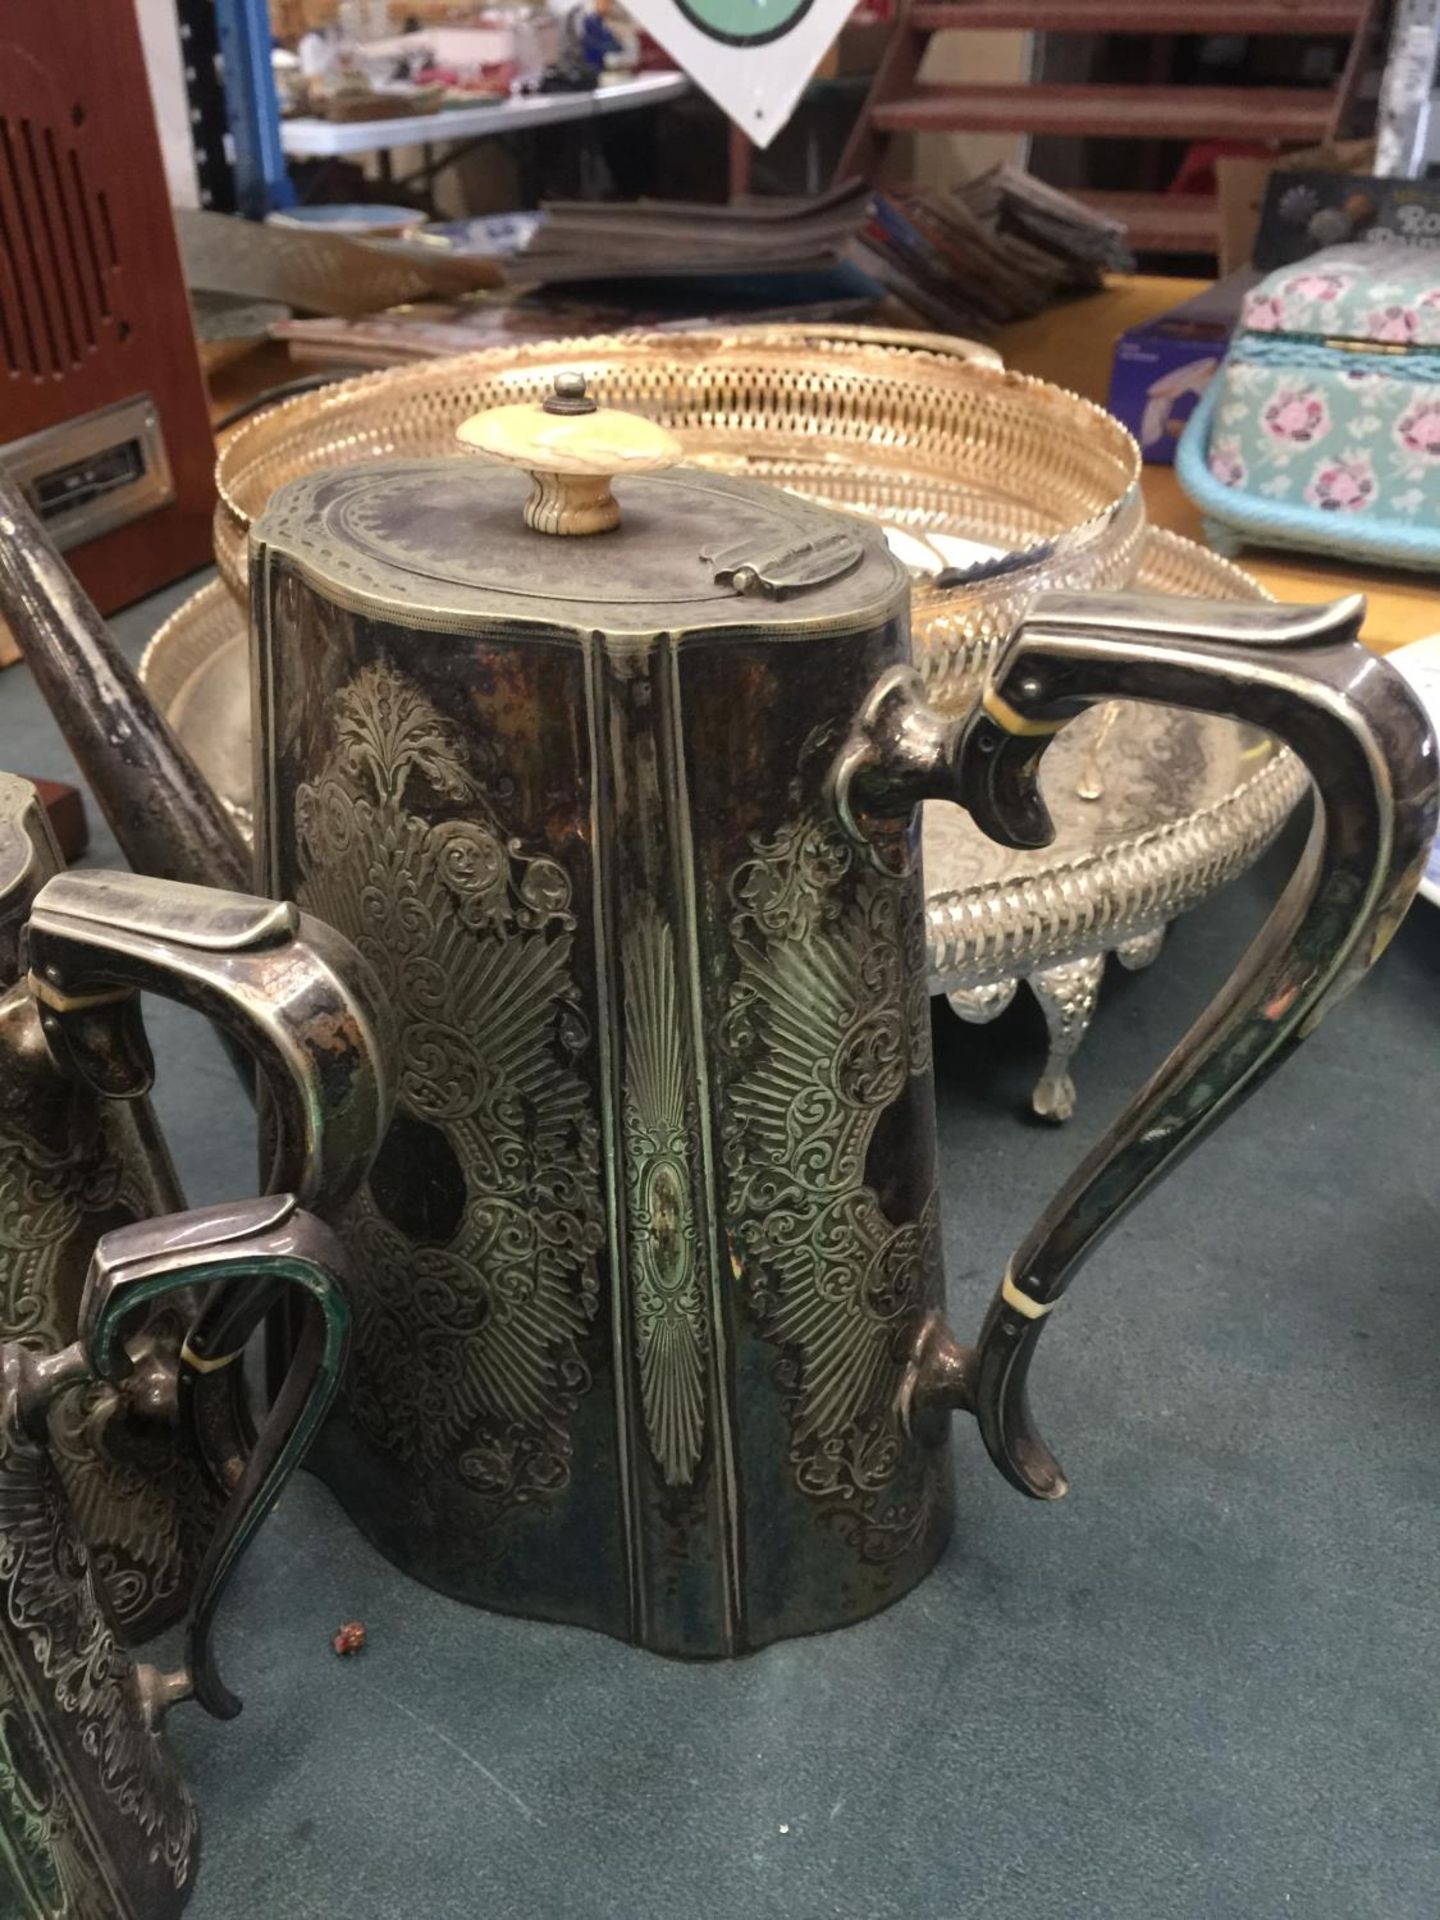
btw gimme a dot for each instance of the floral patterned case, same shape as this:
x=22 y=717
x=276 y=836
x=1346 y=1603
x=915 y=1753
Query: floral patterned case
x=1323 y=427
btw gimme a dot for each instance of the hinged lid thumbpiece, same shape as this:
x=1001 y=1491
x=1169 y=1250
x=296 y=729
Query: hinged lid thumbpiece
x=783 y=565
x=572 y=449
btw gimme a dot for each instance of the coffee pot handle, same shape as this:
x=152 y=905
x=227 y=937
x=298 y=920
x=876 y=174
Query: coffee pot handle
x=245 y=1254
x=1302 y=675
x=295 y=994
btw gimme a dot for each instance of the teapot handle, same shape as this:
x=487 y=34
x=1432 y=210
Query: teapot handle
x=295 y=994
x=1301 y=674
x=268 y=1243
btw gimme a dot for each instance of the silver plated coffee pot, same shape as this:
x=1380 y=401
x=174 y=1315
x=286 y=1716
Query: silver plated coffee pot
x=617 y=788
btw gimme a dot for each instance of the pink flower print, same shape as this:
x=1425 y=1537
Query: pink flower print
x=1395 y=324
x=1264 y=313
x=1296 y=415
x=1322 y=287
x=1226 y=463
x=1428 y=309
x=1418 y=429
x=1342 y=486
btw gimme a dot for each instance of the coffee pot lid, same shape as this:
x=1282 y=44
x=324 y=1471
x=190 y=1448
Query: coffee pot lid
x=446 y=540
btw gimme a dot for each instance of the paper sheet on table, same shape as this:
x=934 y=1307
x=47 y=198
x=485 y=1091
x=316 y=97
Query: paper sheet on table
x=321 y=272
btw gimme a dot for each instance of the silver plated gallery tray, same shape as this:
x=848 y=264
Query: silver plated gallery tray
x=1154 y=809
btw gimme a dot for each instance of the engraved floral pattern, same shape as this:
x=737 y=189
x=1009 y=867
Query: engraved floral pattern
x=827 y=1023
x=53 y=1612
x=671 y=1331
x=467 y=1351
x=70 y=1167
x=47 y=1868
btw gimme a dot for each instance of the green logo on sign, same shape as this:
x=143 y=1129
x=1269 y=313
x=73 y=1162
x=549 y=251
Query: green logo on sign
x=744 y=23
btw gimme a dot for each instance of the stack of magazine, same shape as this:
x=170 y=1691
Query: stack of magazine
x=609 y=266
x=646 y=240
x=1000 y=247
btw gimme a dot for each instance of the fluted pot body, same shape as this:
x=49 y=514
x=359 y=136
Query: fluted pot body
x=649 y=1246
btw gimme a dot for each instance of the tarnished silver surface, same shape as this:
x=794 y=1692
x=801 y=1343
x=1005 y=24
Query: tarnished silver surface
x=1155 y=809
x=96 y=1822
x=197 y=671
x=301 y=1001
x=716 y=1053
x=144 y=1460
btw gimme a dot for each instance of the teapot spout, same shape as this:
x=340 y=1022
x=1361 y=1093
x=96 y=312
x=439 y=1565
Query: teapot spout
x=159 y=806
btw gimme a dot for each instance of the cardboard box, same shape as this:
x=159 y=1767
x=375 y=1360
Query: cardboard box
x=1162 y=367
x=1305 y=212
x=1241 y=181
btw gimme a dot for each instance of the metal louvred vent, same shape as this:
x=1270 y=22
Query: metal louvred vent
x=57 y=253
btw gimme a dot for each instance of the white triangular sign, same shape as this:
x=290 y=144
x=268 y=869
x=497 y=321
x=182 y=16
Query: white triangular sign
x=753 y=57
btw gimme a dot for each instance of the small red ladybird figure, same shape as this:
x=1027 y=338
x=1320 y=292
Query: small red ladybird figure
x=350 y=1638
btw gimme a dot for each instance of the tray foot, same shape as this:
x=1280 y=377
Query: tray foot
x=980 y=1005
x=1067 y=996
x=1143 y=950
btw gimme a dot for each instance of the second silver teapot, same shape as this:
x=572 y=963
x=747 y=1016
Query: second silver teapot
x=95 y=1820
x=145 y=1461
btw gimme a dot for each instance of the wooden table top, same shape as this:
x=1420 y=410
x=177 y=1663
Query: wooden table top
x=1073 y=345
